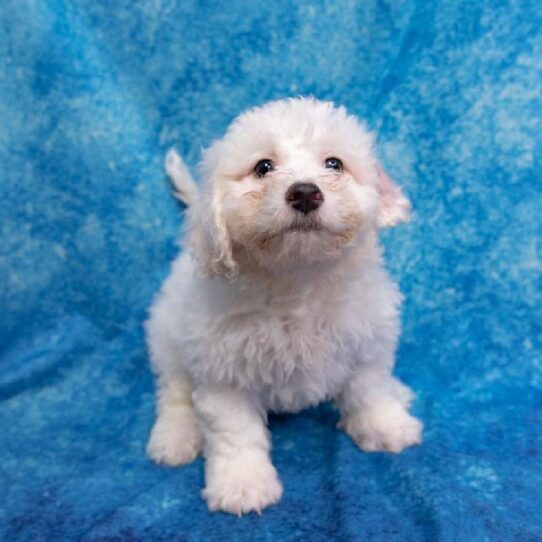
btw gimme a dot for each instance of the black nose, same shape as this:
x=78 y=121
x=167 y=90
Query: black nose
x=304 y=197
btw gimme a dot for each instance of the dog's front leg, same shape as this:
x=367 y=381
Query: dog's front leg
x=374 y=411
x=239 y=476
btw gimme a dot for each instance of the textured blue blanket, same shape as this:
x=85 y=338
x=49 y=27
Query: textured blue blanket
x=92 y=93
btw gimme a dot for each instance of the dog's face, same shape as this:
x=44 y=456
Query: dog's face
x=293 y=182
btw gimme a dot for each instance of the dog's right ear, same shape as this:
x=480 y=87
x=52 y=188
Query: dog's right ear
x=208 y=233
x=186 y=190
x=209 y=237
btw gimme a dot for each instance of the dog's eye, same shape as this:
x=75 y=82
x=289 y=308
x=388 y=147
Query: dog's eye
x=333 y=163
x=263 y=167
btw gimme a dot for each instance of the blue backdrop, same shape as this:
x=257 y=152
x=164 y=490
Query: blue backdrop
x=92 y=93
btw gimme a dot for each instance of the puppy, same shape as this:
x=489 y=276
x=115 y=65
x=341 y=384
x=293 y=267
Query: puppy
x=279 y=299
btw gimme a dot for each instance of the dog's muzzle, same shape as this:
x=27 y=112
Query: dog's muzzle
x=304 y=197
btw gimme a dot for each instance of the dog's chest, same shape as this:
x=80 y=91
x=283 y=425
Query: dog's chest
x=294 y=348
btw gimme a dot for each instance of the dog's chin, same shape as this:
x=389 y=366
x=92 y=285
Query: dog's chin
x=304 y=241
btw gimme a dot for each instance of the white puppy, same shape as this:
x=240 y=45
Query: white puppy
x=279 y=300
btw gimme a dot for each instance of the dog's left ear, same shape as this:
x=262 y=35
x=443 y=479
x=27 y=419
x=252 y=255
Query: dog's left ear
x=394 y=206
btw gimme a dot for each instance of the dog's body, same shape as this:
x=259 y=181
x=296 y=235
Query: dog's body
x=279 y=302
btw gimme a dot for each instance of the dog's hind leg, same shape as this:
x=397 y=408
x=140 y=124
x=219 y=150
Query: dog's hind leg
x=175 y=438
x=374 y=411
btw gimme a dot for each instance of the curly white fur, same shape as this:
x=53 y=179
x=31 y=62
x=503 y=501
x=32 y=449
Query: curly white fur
x=267 y=309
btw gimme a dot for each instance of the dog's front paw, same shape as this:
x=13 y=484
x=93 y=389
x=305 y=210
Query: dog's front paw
x=246 y=483
x=175 y=439
x=388 y=427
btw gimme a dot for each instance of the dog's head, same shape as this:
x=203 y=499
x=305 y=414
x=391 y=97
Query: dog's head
x=291 y=183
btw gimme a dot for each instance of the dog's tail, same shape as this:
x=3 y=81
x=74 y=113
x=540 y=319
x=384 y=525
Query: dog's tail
x=185 y=187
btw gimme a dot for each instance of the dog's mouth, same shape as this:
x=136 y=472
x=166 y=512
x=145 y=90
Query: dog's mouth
x=300 y=226
x=304 y=225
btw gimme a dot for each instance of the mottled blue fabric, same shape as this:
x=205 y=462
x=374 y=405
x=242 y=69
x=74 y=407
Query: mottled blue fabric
x=92 y=93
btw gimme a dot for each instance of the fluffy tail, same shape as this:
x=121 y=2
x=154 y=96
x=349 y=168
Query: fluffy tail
x=185 y=188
